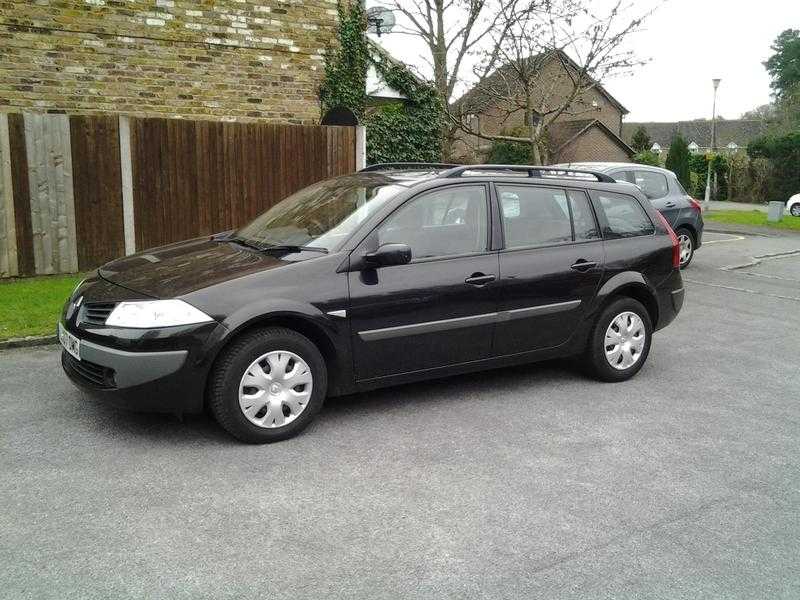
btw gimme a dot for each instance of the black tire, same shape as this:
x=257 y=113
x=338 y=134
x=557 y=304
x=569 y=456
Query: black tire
x=687 y=232
x=595 y=356
x=223 y=388
x=795 y=210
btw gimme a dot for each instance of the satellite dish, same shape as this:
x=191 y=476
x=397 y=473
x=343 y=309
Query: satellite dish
x=379 y=20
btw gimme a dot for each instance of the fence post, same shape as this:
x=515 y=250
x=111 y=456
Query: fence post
x=126 y=169
x=9 y=266
x=361 y=147
x=47 y=141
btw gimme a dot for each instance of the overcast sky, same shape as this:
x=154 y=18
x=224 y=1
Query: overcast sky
x=688 y=42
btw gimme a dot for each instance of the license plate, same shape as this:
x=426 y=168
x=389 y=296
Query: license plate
x=70 y=342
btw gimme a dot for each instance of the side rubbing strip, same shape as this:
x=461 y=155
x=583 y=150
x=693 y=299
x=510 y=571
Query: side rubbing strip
x=373 y=335
x=544 y=309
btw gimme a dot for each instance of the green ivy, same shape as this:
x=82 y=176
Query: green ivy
x=406 y=131
x=346 y=64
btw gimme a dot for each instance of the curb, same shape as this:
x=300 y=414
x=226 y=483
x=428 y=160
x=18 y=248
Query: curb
x=29 y=342
x=712 y=227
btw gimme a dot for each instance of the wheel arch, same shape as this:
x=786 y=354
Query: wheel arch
x=633 y=285
x=303 y=324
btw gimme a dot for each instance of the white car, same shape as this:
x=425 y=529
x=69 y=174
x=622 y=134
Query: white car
x=793 y=205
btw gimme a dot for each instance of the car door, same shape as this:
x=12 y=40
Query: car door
x=437 y=310
x=550 y=266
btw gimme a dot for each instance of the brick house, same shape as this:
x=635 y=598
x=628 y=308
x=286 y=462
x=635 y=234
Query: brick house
x=230 y=59
x=591 y=130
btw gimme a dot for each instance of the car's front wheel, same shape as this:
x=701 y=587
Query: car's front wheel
x=686 y=241
x=267 y=385
x=620 y=340
x=795 y=210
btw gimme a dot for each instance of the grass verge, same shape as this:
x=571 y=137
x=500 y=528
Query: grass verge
x=31 y=306
x=752 y=217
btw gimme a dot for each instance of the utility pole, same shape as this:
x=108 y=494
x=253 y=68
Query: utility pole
x=707 y=202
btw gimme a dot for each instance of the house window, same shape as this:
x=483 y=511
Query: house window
x=472 y=121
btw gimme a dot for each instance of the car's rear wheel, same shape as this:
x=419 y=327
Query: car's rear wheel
x=795 y=210
x=268 y=385
x=620 y=340
x=686 y=241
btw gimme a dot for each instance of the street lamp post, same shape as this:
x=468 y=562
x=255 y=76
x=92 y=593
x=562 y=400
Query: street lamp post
x=707 y=199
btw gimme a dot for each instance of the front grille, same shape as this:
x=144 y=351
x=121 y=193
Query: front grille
x=93 y=374
x=96 y=313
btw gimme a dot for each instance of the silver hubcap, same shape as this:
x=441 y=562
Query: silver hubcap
x=795 y=210
x=275 y=389
x=686 y=247
x=625 y=339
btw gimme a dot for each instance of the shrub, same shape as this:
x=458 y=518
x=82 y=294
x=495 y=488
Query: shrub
x=509 y=153
x=678 y=159
x=647 y=157
x=783 y=154
x=641 y=141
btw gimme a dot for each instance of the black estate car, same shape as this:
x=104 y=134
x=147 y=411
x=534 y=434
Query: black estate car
x=397 y=273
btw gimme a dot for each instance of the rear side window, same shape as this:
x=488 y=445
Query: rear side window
x=538 y=216
x=654 y=185
x=625 y=216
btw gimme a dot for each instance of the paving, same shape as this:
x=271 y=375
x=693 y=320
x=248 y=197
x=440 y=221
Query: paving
x=531 y=482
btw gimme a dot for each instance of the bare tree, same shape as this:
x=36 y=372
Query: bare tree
x=550 y=59
x=454 y=29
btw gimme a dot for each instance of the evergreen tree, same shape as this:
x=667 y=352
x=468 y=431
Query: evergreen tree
x=640 y=141
x=678 y=159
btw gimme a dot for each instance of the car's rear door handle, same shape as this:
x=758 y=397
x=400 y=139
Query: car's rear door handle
x=479 y=279
x=583 y=265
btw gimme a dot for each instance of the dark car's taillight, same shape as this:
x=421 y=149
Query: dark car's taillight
x=696 y=206
x=676 y=245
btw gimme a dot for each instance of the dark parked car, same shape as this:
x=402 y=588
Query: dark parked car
x=666 y=194
x=393 y=274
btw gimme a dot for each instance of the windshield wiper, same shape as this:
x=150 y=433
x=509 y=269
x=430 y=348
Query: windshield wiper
x=273 y=247
x=292 y=248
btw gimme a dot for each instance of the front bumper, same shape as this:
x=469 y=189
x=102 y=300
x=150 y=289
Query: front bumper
x=166 y=381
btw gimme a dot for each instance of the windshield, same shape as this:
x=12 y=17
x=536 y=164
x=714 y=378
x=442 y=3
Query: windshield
x=322 y=215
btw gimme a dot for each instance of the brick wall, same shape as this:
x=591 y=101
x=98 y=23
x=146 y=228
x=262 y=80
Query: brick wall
x=231 y=59
x=594 y=145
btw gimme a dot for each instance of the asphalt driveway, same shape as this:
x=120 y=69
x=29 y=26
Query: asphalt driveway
x=532 y=482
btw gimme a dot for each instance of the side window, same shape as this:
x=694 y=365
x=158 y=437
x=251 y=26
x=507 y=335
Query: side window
x=625 y=216
x=654 y=185
x=583 y=220
x=534 y=216
x=624 y=176
x=444 y=222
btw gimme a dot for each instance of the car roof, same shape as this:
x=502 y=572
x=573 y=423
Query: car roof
x=605 y=167
x=410 y=174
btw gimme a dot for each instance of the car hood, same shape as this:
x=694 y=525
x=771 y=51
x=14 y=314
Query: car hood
x=185 y=267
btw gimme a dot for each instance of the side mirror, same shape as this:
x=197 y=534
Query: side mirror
x=388 y=255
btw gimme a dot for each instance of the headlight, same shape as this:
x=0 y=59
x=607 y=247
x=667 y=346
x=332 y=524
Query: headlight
x=155 y=313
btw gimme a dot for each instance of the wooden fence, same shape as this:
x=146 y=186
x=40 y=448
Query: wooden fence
x=78 y=191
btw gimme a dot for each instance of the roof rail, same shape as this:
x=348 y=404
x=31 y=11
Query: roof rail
x=409 y=166
x=531 y=170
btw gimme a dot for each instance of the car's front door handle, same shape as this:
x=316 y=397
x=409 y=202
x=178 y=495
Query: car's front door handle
x=670 y=205
x=479 y=279
x=583 y=265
